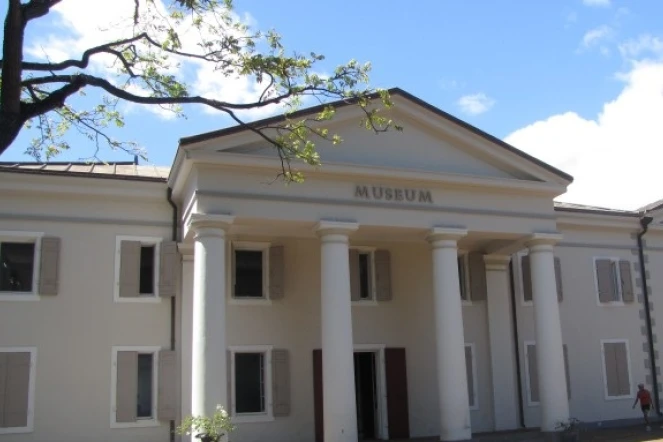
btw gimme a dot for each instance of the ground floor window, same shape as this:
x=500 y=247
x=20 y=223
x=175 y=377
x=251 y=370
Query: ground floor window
x=17 y=382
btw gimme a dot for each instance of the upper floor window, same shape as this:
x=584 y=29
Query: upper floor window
x=370 y=274
x=29 y=265
x=614 y=283
x=258 y=271
x=146 y=269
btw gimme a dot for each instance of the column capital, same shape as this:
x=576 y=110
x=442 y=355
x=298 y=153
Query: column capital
x=209 y=224
x=497 y=262
x=323 y=228
x=186 y=250
x=543 y=239
x=438 y=236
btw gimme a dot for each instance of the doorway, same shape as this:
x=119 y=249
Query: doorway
x=366 y=393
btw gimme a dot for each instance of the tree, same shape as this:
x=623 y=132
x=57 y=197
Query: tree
x=39 y=94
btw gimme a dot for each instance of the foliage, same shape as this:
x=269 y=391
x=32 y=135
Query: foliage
x=144 y=67
x=207 y=427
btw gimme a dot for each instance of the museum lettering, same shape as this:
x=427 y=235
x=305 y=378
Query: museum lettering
x=380 y=193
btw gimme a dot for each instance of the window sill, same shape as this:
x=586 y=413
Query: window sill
x=140 y=423
x=16 y=430
x=619 y=398
x=250 y=301
x=365 y=303
x=251 y=418
x=139 y=300
x=19 y=296
x=613 y=304
x=466 y=303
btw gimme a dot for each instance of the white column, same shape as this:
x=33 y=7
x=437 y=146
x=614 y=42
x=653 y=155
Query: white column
x=185 y=321
x=338 y=388
x=549 y=351
x=208 y=331
x=452 y=377
x=502 y=350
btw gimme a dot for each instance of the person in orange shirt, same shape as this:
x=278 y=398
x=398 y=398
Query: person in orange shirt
x=645 y=402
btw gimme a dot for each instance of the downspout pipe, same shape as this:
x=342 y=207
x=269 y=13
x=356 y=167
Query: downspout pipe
x=169 y=198
x=516 y=339
x=644 y=223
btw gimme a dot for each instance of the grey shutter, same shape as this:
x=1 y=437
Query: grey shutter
x=527 y=278
x=168 y=269
x=281 y=383
x=355 y=290
x=167 y=390
x=606 y=280
x=627 y=281
x=621 y=364
x=477 y=276
x=3 y=386
x=611 y=373
x=276 y=272
x=566 y=370
x=461 y=278
x=129 y=269
x=126 y=388
x=558 y=279
x=17 y=390
x=382 y=267
x=533 y=372
x=469 y=369
x=229 y=382
x=49 y=266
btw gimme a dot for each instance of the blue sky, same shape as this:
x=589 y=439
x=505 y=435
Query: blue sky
x=578 y=83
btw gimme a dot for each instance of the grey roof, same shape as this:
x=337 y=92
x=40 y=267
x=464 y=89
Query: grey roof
x=583 y=208
x=118 y=170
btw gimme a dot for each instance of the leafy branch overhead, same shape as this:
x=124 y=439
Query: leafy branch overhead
x=144 y=66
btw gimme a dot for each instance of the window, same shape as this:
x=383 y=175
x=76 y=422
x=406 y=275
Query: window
x=370 y=274
x=17 y=266
x=29 y=265
x=471 y=371
x=526 y=279
x=257 y=271
x=249 y=383
x=532 y=373
x=616 y=368
x=143 y=383
x=17 y=385
x=146 y=269
x=614 y=283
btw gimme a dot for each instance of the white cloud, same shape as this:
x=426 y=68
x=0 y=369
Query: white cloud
x=614 y=157
x=599 y=3
x=643 y=44
x=475 y=104
x=595 y=36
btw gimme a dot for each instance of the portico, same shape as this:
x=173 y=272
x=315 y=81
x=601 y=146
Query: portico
x=412 y=262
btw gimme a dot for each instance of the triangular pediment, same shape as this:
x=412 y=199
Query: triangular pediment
x=431 y=142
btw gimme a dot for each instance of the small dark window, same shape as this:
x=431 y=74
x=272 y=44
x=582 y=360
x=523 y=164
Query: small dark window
x=364 y=276
x=144 y=399
x=461 y=278
x=16 y=266
x=249 y=383
x=248 y=274
x=147 y=270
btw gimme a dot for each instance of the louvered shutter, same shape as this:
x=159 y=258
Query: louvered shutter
x=17 y=390
x=281 y=383
x=168 y=269
x=606 y=280
x=129 y=269
x=49 y=266
x=276 y=272
x=383 y=275
x=477 y=276
x=627 y=281
x=126 y=388
x=167 y=390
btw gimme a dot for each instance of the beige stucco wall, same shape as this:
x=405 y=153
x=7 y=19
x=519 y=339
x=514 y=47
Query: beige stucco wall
x=74 y=332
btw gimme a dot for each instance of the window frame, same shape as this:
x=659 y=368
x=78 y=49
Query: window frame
x=475 y=381
x=464 y=285
x=24 y=237
x=254 y=246
x=29 y=428
x=371 y=301
x=606 y=396
x=140 y=422
x=268 y=414
x=614 y=260
x=144 y=241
